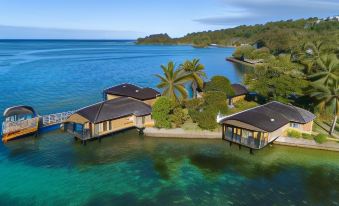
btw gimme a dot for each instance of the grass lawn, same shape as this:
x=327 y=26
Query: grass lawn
x=241 y=106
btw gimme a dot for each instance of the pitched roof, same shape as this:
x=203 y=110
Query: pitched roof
x=114 y=109
x=130 y=90
x=239 y=90
x=272 y=116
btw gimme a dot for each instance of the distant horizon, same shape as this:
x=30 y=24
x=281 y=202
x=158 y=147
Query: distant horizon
x=36 y=33
x=131 y=19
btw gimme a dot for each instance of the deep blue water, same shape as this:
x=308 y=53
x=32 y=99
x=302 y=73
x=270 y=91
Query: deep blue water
x=56 y=76
x=128 y=169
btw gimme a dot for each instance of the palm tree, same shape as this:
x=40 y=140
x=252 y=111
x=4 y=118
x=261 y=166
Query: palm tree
x=327 y=97
x=173 y=82
x=329 y=72
x=196 y=72
x=311 y=52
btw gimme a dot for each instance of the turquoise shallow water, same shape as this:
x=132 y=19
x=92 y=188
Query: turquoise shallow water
x=127 y=169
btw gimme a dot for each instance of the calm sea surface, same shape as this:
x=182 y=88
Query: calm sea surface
x=127 y=169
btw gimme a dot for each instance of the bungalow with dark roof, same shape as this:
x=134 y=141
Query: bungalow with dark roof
x=147 y=95
x=240 y=92
x=107 y=117
x=259 y=126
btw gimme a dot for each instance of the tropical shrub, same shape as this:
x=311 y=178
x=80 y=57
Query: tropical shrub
x=320 y=138
x=161 y=112
x=262 y=53
x=206 y=120
x=294 y=133
x=179 y=116
x=215 y=102
x=307 y=136
x=243 y=52
x=220 y=84
x=193 y=103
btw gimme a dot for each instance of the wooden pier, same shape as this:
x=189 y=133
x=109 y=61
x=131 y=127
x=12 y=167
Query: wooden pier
x=15 y=129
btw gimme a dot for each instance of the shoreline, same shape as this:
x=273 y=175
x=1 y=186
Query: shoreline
x=234 y=60
x=204 y=134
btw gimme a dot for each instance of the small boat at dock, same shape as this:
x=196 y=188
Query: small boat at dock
x=19 y=121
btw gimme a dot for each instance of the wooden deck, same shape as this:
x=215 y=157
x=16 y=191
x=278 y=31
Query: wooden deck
x=12 y=130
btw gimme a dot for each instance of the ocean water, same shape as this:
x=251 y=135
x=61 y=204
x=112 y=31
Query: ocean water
x=128 y=169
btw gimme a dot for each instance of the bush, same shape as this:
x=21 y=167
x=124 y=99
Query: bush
x=219 y=84
x=215 y=102
x=161 y=112
x=243 y=51
x=178 y=117
x=206 y=120
x=294 y=133
x=320 y=138
x=193 y=104
x=307 y=136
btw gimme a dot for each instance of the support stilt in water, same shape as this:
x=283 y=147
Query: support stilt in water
x=99 y=138
x=239 y=146
x=141 y=131
x=251 y=151
x=230 y=143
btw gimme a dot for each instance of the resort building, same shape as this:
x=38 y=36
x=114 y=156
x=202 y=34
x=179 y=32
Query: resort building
x=259 y=126
x=147 y=95
x=107 y=117
x=240 y=92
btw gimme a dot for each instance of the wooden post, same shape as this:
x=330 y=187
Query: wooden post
x=223 y=131
x=251 y=151
x=239 y=146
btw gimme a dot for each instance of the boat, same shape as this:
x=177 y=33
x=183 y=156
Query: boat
x=19 y=121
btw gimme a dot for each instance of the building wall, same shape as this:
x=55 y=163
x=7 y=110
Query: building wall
x=305 y=128
x=279 y=132
x=238 y=98
x=308 y=127
x=119 y=124
x=150 y=101
x=111 y=96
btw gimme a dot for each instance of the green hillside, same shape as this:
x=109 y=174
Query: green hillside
x=279 y=37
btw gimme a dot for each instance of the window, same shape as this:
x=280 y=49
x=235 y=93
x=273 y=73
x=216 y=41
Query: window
x=294 y=125
x=245 y=133
x=229 y=132
x=110 y=125
x=104 y=126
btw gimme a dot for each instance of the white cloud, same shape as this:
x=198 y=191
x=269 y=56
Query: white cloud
x=260 y=11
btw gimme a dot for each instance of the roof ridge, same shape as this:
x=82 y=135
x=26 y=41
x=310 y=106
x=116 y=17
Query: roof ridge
x=295 y=108
x=97 y=115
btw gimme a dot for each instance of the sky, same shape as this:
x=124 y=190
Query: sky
x=130 y=19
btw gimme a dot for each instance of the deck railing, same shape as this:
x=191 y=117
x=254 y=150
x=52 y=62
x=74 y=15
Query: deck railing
x=249 y=142
x=10 y=127
x=55 y=118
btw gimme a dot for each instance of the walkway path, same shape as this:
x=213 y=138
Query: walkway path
x=306 y=143
x=181 y=133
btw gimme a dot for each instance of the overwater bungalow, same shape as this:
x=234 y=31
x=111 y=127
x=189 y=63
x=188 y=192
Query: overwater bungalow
x=108 y=117
x=147 y=95
x=19 y=121
x=259 y=126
